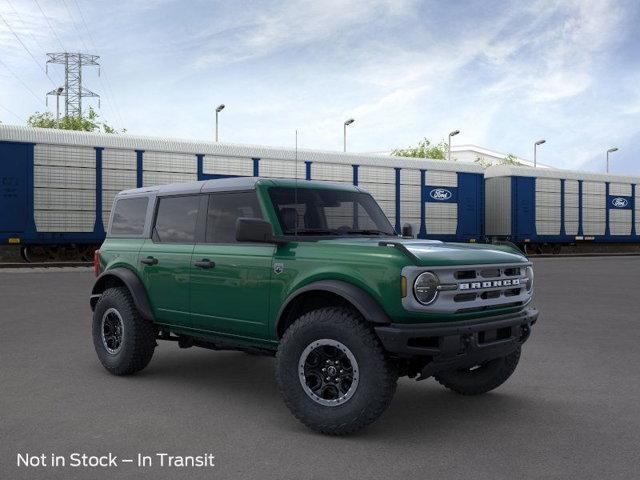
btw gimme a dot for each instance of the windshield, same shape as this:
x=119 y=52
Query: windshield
x=311 y=211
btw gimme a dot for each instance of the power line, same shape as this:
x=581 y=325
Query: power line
x=24 y=25
x=27 y=49
x=21 y=81
x=50 y=26
x=75 y=27
x=111 y=98
x=12 y=113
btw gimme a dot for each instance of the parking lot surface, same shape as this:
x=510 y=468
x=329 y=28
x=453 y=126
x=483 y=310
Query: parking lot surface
x=569 y=411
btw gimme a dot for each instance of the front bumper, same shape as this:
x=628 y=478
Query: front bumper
x=448 y=346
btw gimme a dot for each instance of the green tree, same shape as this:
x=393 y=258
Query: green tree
x=87 y=123
x=510 y=159
x=425 y=149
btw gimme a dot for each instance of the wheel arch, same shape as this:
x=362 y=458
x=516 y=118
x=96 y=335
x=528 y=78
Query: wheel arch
x=123 y=277
x=327 y=293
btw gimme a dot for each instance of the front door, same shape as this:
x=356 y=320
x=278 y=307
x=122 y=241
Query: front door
x=230 y=281
x=165 y=259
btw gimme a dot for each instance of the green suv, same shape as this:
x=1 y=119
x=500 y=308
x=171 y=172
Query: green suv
x=314 y=274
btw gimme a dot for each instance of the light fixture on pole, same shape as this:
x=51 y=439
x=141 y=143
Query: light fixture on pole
x=344 y=136
x=219 y=108
x=535 y=151
x=57 y=92
x=451 y=134
x=611 y=150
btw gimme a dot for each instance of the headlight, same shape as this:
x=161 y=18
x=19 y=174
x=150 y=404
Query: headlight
x=529 y=281
x=425 y=288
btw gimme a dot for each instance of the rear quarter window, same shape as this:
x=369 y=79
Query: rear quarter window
x=176 y=219
x=129 y=215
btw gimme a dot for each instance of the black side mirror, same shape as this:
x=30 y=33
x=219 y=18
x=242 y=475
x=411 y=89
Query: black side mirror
x=407 y=230
x=253 y=230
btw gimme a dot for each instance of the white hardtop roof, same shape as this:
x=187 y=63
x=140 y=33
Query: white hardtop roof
x=230 y=185
x=513 y=171
x=15 y=133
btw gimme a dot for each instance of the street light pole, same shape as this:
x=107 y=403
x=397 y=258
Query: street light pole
x=344 y=135
x=611 y=150
x=219 y=108
x=59 y=91
x=451 y=134
x=535 y=151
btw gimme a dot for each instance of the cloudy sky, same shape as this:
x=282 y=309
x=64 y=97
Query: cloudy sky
x=504 y=73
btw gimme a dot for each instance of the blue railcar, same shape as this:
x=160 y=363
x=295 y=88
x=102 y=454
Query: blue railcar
x=58 y=186
x=548 y=208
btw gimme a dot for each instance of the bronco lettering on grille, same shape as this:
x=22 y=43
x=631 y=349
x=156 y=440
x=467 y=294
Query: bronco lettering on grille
x=489 y=284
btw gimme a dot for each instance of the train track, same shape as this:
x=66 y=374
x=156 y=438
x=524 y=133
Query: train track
x=44 y=264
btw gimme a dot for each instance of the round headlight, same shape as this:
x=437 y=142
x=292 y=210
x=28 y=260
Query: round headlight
x=425 y=288
x=529 y=281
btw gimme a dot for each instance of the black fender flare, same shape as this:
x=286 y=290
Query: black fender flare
x=133 y=284
x=361 y=300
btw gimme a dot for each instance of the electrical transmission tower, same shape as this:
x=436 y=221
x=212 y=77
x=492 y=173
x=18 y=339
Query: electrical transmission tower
x=73 y=90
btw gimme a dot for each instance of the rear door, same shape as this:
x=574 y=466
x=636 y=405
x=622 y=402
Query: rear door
x=14 y=158
x=165 y=259
x=230 y=281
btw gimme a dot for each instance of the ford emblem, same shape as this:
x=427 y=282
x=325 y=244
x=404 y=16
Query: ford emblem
x=619 y=202
x=440 y=194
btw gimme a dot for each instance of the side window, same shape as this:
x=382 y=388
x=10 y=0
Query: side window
x=176 y=219
x=224 y=209
x=128 y=216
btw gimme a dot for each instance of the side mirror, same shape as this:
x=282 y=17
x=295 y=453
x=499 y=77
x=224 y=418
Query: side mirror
x=407 y=230
x=253 y=230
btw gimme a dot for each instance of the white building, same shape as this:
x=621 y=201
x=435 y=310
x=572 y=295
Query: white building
x=470 y=153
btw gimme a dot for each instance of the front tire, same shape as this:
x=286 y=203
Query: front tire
x=124 y=341
x=481 y=378
x=333 y=373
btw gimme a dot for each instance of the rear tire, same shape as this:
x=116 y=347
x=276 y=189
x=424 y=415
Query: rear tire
x=359 y=381
x=480 y=379
x=124 y=341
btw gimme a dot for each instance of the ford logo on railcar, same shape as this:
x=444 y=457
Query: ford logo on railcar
x=619 y=202
x=440 y=194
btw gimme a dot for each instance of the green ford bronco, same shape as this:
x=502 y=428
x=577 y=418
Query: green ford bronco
x=314 y=274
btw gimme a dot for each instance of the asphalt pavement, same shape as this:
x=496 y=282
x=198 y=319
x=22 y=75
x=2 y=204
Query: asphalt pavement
x=571 y=410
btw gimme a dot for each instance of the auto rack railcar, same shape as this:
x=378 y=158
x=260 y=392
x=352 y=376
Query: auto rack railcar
x=543 y=210
x=58 y=186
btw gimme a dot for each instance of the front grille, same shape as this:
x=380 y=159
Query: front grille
x=473 y=288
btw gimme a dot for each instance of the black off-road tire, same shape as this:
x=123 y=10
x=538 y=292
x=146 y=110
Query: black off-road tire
x=482 y=379
x=138 y=337
x=377 y=376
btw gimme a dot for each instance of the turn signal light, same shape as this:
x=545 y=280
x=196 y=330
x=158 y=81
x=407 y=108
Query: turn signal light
x=96 y=263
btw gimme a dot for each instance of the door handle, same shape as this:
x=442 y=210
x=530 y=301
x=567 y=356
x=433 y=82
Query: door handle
x=204 y=263
x=149 y=261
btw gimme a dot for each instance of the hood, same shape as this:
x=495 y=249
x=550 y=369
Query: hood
x=436 y=253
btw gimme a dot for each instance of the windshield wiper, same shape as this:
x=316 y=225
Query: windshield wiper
x=313 y=231
x=367 y=232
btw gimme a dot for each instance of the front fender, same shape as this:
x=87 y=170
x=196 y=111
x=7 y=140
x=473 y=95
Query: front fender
x=133 y=284
x=361 y=300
